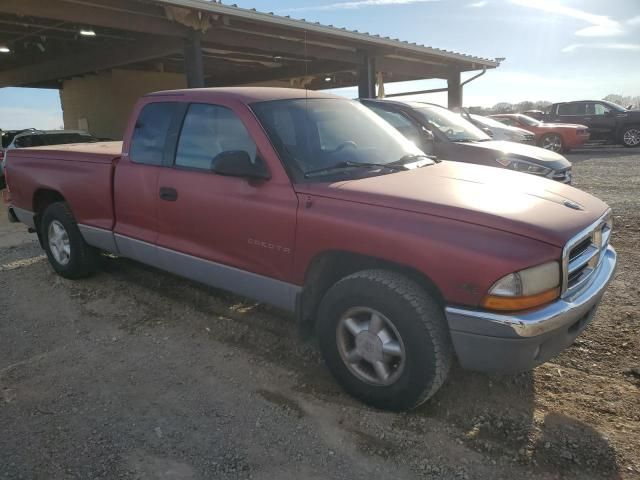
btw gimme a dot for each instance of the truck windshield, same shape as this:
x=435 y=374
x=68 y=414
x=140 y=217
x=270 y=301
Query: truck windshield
x=452 y=125
x=317 y=134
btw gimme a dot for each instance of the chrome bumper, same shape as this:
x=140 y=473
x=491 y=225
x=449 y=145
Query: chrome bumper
x=514 y=342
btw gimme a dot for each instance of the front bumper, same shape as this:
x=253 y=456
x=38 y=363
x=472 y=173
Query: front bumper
x=510 y=343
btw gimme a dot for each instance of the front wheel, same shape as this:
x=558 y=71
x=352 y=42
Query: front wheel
x=631 y=136
x=385 y=339
x=552 y=141
x=68 y=253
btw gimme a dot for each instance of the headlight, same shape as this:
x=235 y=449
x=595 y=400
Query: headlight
x=524 y=166
x=515 y=137
x=527 y=288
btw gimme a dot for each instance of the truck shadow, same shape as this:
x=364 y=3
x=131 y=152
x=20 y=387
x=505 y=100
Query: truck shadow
x=493 y=415
x=499 y=417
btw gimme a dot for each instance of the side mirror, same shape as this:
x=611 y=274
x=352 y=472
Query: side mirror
x=488 y=131
x=237 y=163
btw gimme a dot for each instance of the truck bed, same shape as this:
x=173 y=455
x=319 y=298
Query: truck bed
x=100 y=152
x=84 y=172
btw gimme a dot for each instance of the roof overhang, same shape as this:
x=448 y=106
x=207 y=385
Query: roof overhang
x=239 y=45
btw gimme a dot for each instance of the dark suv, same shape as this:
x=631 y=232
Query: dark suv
x=608 y=123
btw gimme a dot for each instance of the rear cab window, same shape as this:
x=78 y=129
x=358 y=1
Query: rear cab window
x=152 y=132
x=572 y=109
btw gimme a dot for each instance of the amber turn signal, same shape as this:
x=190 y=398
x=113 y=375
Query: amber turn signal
x=495 y=302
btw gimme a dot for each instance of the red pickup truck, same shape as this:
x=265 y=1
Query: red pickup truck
x=312 y=203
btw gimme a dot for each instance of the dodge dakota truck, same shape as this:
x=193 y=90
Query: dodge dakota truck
x=398 y=262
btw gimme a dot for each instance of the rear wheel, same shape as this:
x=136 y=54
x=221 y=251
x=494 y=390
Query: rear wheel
x=631 y=136
x=385 y=339
x=68 y=253
x=552 y=141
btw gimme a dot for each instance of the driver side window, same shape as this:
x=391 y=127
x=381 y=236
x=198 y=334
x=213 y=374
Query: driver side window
x=597 y=109
x=207 y=131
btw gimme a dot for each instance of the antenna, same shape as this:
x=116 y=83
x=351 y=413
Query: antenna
x=306 y=67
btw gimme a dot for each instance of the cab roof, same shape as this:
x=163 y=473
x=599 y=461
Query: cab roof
x=247 y=94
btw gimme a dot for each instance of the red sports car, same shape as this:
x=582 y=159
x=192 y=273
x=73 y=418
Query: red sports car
x=559 y=137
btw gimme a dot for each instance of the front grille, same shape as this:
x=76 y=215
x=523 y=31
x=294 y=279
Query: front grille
x=583 y=254
x=529 y=138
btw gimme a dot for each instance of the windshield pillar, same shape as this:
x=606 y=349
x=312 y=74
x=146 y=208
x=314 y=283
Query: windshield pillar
x=454 y=90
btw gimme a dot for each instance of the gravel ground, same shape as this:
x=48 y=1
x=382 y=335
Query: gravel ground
x=138 y=374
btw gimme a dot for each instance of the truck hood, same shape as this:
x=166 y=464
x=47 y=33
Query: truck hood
x=501 y=199
x=540 y=156
x=631 y=114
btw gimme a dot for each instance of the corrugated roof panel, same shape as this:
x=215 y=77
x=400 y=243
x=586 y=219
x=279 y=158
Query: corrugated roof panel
x=286 y=21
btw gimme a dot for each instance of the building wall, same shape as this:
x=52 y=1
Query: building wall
x=102 y=103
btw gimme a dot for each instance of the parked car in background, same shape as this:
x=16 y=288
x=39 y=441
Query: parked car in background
x=312 y=203
x=608 y=123
x=41 y=138
x=557 y=137
x=537 y=114
x=500 y=131
x=6 y=137
x=447 y=135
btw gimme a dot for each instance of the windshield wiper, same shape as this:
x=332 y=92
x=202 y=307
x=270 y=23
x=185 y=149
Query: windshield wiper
x=349 y=164
x=413 y=158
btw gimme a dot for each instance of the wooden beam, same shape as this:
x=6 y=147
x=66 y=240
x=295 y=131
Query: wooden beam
x=454 y=95
x=89 y=61
x=415 y=70
x=254 y=41
x=282 y=73
x=94 y=15
x=193 y=61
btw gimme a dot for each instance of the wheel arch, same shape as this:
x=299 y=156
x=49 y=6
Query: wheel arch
x=623 y=128
x=328 y=267
x=42 y=198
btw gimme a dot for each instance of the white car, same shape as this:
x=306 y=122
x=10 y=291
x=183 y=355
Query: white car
x=500 y=131
x=39 y=138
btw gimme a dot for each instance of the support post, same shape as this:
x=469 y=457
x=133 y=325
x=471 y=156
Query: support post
x=367 y=77
x=193 y=66
x=454 y=89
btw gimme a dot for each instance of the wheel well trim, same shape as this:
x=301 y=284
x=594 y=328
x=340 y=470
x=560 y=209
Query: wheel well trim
x=321 y=274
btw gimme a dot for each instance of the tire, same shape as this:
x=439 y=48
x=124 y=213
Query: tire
x=79 y=259
x=552 y=141
x=631 y=136
x=410 y=316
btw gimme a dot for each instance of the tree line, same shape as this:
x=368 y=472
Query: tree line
x=506 y=107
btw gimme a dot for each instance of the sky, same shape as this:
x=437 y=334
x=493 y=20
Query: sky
x=556 y=50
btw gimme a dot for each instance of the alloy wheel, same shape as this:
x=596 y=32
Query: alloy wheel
x=59 y=242
x=370 y=346
x=552 y=142
x=631 y=137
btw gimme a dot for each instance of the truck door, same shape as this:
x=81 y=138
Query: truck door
x=136 y=175
x=602 y=121
x=225 y=221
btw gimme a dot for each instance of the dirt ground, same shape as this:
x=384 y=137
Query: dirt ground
x=137 y=374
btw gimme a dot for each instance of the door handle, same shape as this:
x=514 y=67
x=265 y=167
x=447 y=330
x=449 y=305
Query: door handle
x=168 y=194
